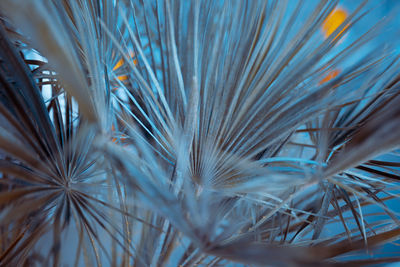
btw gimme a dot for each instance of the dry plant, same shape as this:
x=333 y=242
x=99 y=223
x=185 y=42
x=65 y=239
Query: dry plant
x=197 y=133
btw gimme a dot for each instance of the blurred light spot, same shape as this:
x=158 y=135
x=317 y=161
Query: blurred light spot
x=121 y=139
x=120 y=63
x=333 y=21
x=331 y=75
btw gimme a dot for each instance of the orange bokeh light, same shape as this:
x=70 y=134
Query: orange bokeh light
x=333 y=21
x=331 y=75
x=120 y=63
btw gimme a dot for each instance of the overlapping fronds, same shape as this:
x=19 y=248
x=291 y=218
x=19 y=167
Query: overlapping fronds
x=185 y=133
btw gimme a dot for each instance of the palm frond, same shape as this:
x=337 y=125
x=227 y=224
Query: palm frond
x=182 y=133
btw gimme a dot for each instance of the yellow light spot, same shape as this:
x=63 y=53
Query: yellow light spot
x=123 y=77
x=331 y=75
x=122 y=138
x=121 y=62
x=114 y=140
x=333 y=21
